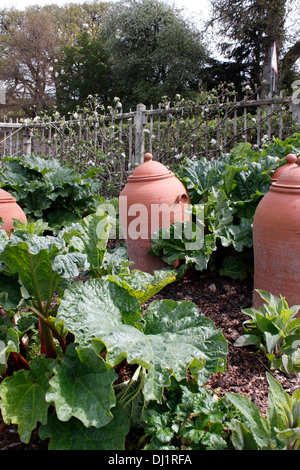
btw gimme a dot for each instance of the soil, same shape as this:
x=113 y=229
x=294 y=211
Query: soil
x=221 y=300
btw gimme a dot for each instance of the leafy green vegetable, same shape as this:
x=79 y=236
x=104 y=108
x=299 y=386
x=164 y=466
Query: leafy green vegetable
x=49 y=190
x=83 y=378
x=73 y=435
x=23 y=397
x=9 y=341
x=143 y=285
x=230 y=189
x=170 y=337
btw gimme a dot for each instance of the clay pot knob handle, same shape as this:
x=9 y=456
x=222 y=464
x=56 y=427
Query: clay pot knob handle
x=148 y=156
x=291 y=158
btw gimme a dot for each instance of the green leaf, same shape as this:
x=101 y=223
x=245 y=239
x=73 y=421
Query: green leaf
x=173 y=245
x=171 y=337
x=288 y=436
x=82 y=387
x=242 y=438
x=23 y=396
x=233 y=267
x=247 y=340
x=279 y=412
x=93 y=307
x=33 y=265
x=9 y=341
x=259 y=425
x=242 y=234
x=67 y=265
x=10 y=293
x=90 y=236
x=271 y=341
x=143 y=285
x=73 y=435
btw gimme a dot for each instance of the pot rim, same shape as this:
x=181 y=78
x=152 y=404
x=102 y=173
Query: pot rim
x=137 y=179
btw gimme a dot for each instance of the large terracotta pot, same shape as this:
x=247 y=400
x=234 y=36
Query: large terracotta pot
x=276 y=239
x=153 y=198
x=9 y=210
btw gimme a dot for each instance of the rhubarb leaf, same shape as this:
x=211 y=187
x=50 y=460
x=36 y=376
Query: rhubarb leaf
x=23 y=396
x=90 y=237
x=33 y=267
x=96 y=306
x=143 y=285
x=9 y=341
x=73 y=435
x=171 y=337
x=82 y=387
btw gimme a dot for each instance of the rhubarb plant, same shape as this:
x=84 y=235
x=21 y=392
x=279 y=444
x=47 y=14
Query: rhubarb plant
x=86 y=329
x=229 y=188
x=166 y=340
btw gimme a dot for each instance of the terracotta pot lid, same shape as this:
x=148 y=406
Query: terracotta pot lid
x=289 y=179
x=150 y=170
x=6 y=197
x=291 y=160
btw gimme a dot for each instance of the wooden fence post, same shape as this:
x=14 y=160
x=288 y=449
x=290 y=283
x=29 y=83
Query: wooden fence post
x=27 y=135
x=140 y=122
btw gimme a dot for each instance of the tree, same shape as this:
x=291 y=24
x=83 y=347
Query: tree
x=29 y=62
x=252 y=27
x=153 y=52
x=33 y=42
x=82 y=70
x=73 y=19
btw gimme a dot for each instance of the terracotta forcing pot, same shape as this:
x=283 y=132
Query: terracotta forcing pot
x=276 y=239
x=291 y=160
x=9 y=210
x=153 y=198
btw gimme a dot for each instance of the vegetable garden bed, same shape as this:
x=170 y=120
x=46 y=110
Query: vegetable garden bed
x=220 y=299
x=120 y=358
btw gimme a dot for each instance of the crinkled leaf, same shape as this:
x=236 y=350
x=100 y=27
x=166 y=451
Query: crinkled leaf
x=172 y=245
x=116 y=261
x=34 y=269
x=200 y=175
x=233 y=267
x=82 y=387
x=174 y=337
x=23 y=396
x=9 y=341
x=91 y=308
x=90 y=236
x=40 y=164
x=10 y=293
x=242 y=234
x=73 y=435
x=67 y=265
x=143 y=285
